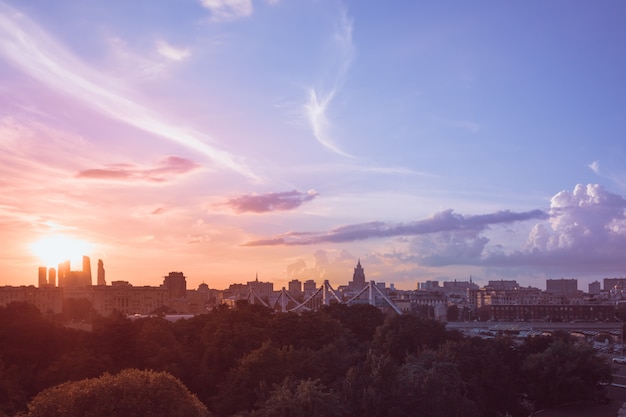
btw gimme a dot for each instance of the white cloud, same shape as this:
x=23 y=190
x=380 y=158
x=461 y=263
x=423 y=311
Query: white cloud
x=319 y=100
x=316 y=109
x=228 y=9
x=130 y=64
x=172 y=52
x=595 y=166
x=36 y=53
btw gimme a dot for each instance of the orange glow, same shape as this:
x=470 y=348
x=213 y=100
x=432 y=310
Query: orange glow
x=53 y=249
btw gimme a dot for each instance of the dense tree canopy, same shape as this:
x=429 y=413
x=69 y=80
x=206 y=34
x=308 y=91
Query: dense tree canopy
x=248 y=361
x=131 y=393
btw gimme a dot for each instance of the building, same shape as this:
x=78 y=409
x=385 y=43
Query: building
x=49 y=300
x=261 y=289
x=123 y=297
x=101 y=280
x=358 y=278
x=547 y=313
x=594 y=288
x=176 y=284
x=429 y=286
x=611 y=284
x=295 y=288
x=562 y=286
x=503 y=285
x=74 y=279
x=310 y=287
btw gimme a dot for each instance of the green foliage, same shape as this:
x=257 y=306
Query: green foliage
x=404 y=335
x=453 y=313
x=113 y=340
x=304 y=398
x=306 y=330
x=565 y=372
x=361 y=320
x=432 y=389
x=131 y=393
x=370 y=388
x=251 y=361
x=490 y=372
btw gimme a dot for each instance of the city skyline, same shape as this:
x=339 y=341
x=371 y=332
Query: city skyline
x=290 y=139
x=53 y=277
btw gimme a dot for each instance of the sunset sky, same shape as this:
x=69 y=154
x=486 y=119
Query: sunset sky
x=290 y=138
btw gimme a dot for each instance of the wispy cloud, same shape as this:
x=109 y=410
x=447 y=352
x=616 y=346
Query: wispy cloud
x=263 y=203
x=595 y=166
x=132 y=65
x=444 y=221
x=172 y=52
x=165 y=169
x=35 y=52
x=319 y=100
x=228 y=9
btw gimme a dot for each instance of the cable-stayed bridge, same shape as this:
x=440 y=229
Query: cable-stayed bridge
x=324 y=296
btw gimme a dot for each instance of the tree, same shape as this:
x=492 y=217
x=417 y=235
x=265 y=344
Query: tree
x=565 y=372
x=405 y=335
x=302 y=399
x=453 y=313
x=131 y=393
x=370 y=388
x=428 y=387
x=360 y=319
x=490 y=371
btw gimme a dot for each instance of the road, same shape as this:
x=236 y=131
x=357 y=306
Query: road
x=499 y=325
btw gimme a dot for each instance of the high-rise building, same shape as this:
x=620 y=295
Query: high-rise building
x=74 y=279
x=358 y=278
x=86 y=277
x=594 y=287
x=43 y=276
x=309 y=287
x=101 y=280
x=614 y=284
x=176 y=283
x=52 y=277
x=295 y=287
x=63 y=272
x=261 y=288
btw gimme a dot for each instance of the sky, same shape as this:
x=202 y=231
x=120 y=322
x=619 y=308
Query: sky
x=284 y=139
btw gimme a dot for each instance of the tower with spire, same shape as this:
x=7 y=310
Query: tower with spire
x=358 y=278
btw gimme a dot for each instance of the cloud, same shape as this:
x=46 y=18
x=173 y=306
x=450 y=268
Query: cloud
x=595 y=166
x=445 y=221
x=584 y=233
x=228 y=9
x=449 y=248
x=166 y=168
x=130 y=64
x=35 y=52
x=270 y=202
x=316 y=107
x=172 y=52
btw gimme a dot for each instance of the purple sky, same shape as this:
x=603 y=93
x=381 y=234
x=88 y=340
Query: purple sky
x=226 y=138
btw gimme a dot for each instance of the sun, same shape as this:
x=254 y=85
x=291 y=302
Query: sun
x=54 y=249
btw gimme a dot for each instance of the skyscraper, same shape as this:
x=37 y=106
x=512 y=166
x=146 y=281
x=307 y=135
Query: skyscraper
x=101 y=280
x=86 y=278
x=358 y=278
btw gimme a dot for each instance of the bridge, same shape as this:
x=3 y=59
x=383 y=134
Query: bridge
x=324 y=295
